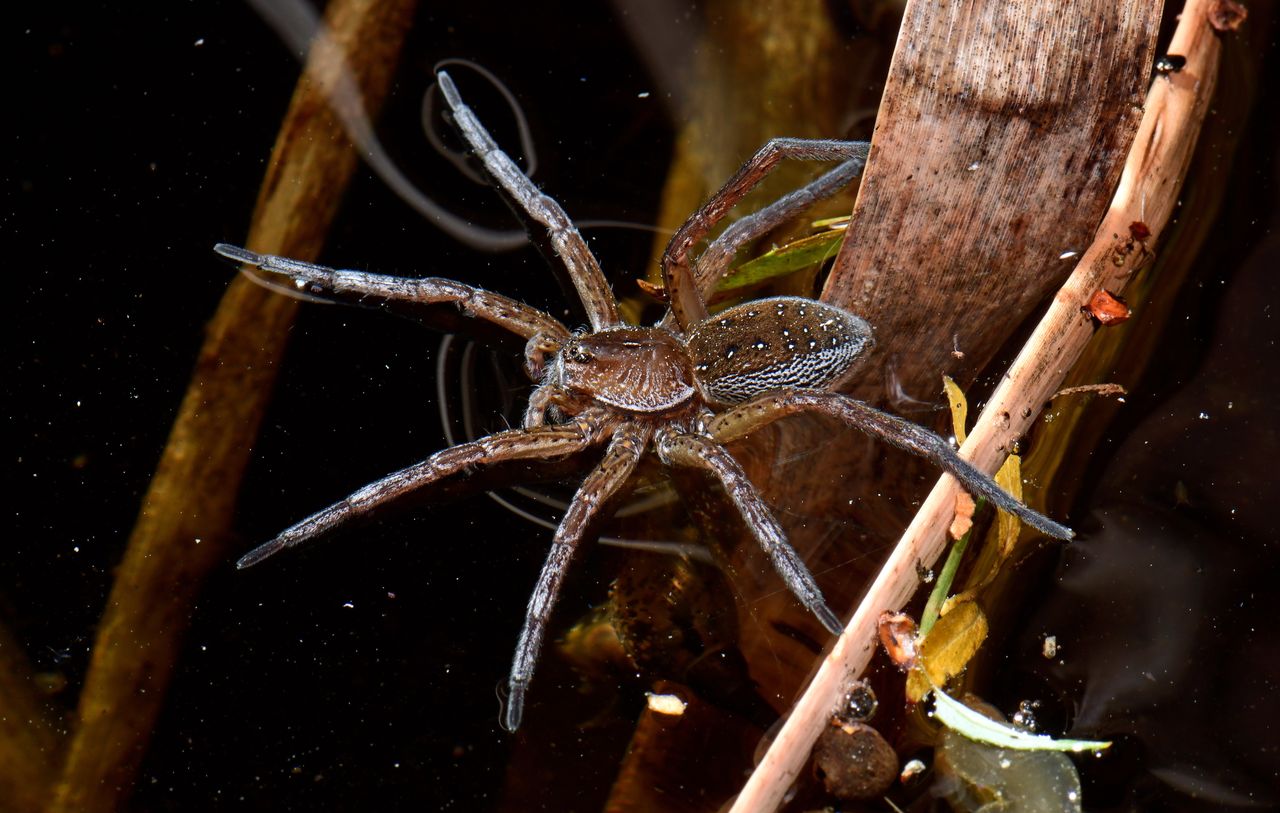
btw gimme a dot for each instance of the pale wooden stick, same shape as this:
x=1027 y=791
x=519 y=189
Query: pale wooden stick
x=1148 y=190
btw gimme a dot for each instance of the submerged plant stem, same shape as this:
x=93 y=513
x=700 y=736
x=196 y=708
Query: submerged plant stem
x=185 y=521
x=946 y=578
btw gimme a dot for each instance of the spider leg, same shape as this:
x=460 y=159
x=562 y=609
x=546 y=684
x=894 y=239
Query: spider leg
x=697 y=452
x=687 y=305
x=712 y=263
x=543 y=442
x=625 y=449
x=408 y=296
x=751 y=415
x=588 y=279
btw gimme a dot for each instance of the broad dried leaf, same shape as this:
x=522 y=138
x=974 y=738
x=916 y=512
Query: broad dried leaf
x=948 y=648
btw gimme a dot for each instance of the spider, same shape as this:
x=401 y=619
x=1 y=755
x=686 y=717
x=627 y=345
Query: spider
x=682 y=388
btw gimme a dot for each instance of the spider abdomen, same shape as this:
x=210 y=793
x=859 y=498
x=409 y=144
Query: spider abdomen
x=782 y=341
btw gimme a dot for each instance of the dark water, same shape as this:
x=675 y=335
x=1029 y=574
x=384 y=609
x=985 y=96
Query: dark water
x=362 y=673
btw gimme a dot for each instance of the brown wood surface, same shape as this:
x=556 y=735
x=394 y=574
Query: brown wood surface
x=1000 y=137
x=186 y=515
x=1045 y=102
x=1148 y=191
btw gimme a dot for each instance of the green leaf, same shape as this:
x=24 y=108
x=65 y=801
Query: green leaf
x=784 y=260
x=964 y=720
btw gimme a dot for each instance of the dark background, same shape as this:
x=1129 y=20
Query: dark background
x=140 y=142
x=137 y=143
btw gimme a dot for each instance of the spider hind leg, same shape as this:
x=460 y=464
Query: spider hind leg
x=600 y=486
x=697 y=452
x=903 y=434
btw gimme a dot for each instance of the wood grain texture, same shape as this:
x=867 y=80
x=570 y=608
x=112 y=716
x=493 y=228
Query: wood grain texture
x=1001 y=134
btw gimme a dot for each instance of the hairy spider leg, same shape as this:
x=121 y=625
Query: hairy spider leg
x=713 y=263
x=541 y=443
x=749 y=416
x=687 y=304
x=407 y=296
x=625 y=450
x=593 y=290
x=698 y=452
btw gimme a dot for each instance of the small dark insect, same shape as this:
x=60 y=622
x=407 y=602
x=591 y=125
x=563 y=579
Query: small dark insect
x=682 y=388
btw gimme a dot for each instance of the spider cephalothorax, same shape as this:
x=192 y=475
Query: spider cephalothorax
x=682 y=388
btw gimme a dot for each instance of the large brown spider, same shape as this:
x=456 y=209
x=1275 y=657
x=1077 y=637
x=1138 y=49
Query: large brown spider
x=684 y=387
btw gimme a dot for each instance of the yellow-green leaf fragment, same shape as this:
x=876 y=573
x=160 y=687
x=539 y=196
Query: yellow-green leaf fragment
x=1007 y=525
x=959 y=406
x=947 y=649
x=963 y=720
x=778 y=262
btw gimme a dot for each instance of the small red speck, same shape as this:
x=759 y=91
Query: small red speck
x=1107 y=308
x=1139 y=230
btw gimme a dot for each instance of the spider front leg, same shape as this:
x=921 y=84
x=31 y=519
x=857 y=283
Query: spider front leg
x=592 y=288
x=683 y=291
x=625 y=449
x=697 y=452
x=765 y=409
x=544 y=442
x=407 y=296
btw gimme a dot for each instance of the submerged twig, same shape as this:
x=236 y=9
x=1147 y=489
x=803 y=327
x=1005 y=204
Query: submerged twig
x=1148 y=190
x=186 y=515
x=28 y=741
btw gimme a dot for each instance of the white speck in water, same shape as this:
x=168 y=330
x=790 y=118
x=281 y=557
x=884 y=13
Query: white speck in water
x=1069 y=255
x=349 y=605
x=1204 y=416
x=1005 y=762
x=644 y=94
x=973 y=167
x=666 y=704
x=199 y=42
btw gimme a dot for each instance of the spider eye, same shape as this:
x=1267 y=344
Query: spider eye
x=578 y=354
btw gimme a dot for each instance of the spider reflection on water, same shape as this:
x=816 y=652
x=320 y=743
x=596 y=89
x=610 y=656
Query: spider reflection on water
x=683 y=388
